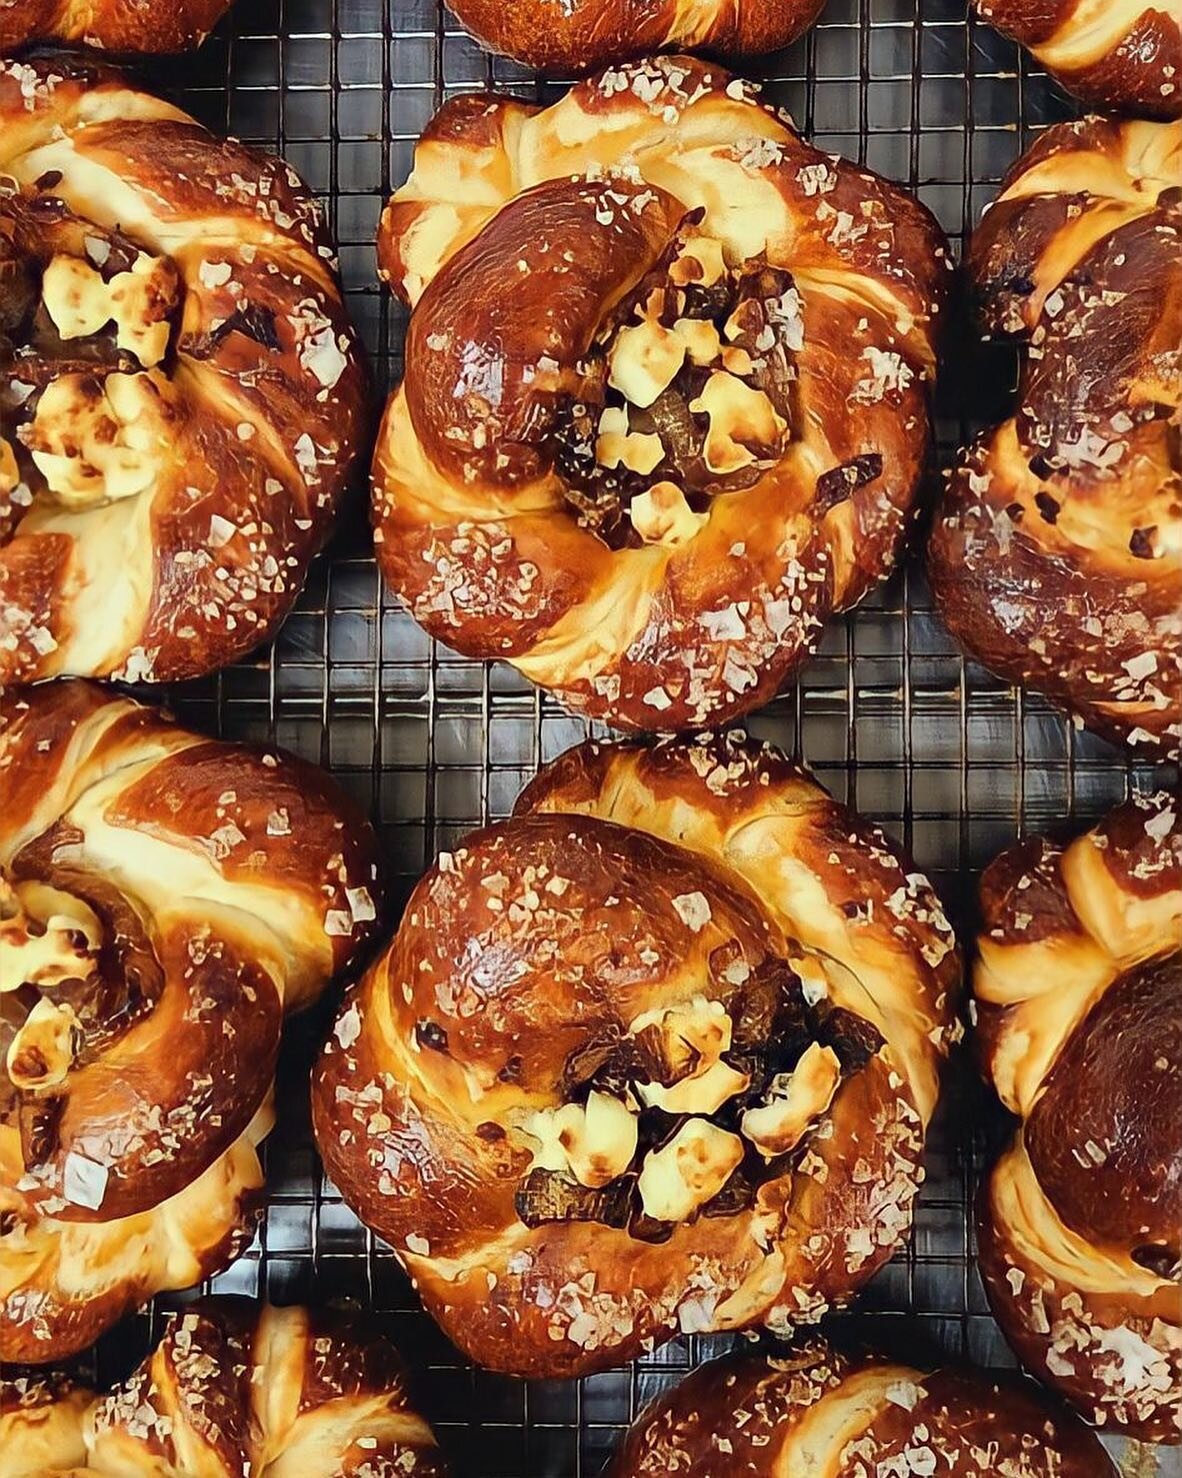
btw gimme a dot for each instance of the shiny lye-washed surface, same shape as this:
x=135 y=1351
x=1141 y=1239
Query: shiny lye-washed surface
x=948 y=759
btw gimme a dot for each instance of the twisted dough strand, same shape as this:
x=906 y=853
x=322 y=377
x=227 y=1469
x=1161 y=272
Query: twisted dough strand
x=504 y=1099
x=180 y=391
x=584 y=34
x=685 y=594
x=811 y=1411
x=164 y=899
x=1118 y=55
x=1078 y=991
x=1057 y=557
x=231 y=1390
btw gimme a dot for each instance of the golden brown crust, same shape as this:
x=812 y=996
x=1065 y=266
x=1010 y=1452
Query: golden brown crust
x=1057 y=558
x=110 y=25
x=181 y=394
x=230 y=1387
x=42 y=1418
x=811 y=1410
x=1123 y=56
x=665 y=404
x=163 y=900
x=1078 y=988
x=583 y=34
x=656 y=1053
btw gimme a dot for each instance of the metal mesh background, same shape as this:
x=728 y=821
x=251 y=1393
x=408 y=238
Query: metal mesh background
x=888 y=715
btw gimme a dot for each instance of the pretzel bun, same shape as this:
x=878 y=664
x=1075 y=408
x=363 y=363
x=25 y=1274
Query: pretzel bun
x=1123 y=56
x=164 y=899
x=665 y=404
x=113 y=25
x=1078 y=986
x=41 y=1425
x=657 y=1053
x=1057 y=559
x=180 y=391
x=582 y=34
x=232 y=1390
x=817 y=1413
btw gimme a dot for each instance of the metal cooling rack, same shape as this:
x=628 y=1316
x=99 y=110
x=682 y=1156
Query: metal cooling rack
x=888 y=715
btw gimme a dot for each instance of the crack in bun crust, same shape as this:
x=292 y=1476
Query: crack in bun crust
x=1056 y=556
x=655 y=1054
x=1078 y=994
x=165 y=899
x=666 y=396
x=181 y=394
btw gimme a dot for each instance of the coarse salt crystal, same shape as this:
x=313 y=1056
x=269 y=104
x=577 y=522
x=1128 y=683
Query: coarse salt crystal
x=693 y=909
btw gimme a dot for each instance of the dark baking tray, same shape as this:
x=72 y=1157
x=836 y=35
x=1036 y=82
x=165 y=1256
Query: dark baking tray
x=889 y=715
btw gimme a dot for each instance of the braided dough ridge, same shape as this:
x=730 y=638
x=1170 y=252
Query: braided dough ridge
x=1076 y=990
x=231 y=1389
x=164 y=899
x=570 y=204
x=810 y=1410
x=1057 y=556
x=175 y=507
x=1121 y=56
x=624 y=877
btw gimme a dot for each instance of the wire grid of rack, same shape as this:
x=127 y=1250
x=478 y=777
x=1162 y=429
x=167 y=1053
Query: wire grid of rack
x=888 y=714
